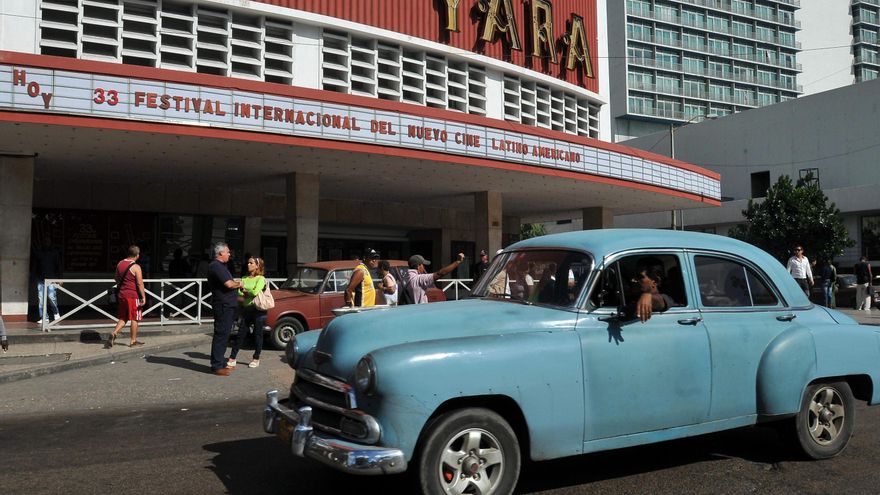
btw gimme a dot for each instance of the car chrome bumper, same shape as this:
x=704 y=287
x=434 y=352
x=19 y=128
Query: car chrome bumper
x=294 y=428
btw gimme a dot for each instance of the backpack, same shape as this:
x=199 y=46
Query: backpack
x=404 y=295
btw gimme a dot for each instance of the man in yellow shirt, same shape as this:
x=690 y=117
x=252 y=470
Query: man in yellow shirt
x=360 y=291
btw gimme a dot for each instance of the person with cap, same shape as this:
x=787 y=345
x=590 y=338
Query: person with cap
x=420 y=280
x=481 y=266
x=360 y=291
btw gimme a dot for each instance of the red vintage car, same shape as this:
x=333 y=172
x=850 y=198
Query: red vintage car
x=306 y=300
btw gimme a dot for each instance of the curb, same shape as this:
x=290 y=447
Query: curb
x=99 y=334
x=12 y=376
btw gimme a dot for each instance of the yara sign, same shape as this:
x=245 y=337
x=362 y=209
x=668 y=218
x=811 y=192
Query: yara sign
x=499 y=22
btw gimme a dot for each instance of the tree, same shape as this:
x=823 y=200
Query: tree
x=529 y=230
x=793 y=214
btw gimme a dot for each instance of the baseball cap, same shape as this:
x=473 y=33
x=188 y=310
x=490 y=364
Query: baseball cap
x=371 y=254
x=416 y=260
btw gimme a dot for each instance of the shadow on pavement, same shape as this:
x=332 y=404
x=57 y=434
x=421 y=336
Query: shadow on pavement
x=179 y=363
x=198 y=355
x=264 y=465
x=760 y=445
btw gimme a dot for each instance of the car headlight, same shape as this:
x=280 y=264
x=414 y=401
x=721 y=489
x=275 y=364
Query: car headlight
x=291 y=352
x=365 y=375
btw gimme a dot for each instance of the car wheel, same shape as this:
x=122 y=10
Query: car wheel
x=469 y=451
x=284 y=330
x=824 y=424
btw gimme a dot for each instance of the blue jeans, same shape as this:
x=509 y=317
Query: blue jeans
x=250 y=317
x=828 y=291
x=223 y=316
x=51 y=298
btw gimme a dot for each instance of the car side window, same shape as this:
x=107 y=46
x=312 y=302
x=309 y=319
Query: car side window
x=726 y=283
x=337 y=280
x=619 y=285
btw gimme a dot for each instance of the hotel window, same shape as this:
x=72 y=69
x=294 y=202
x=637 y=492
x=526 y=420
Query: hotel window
x=666 y=36
x=765 y=55
x=869 y=16
x=765 y=99
x=694 y=88
x=666 y=12
x=787 y=59
x=739 y=28
x=691 y=110
x=765 y=77
x=869 y=74
x=668 y=108
x=786 y=17
x=787 y=81
x=667 y=84
x=639 y=55
x=720 y=69
x=639 y=7
x=720 y=47
x=717 y=24
x=669 y=60
x=720 y=92
x=641 y=104
x=638 y=31
x=744 y=73
x=868 y=36
x=694 y=65
x=765 y=33
x=741 y=7
x=786 y=38
x=691 y=18
x=744 y=96
x=720 y=110
x=693 y=41
x=641 y=80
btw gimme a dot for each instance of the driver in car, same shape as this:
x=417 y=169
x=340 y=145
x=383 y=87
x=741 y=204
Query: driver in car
x=650 y=274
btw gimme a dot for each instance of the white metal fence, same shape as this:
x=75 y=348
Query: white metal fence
x=178 y=301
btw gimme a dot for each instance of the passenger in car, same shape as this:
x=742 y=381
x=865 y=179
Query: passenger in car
x=649 y=277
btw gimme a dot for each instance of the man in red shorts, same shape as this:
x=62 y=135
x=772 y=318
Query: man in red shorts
x=132 y=296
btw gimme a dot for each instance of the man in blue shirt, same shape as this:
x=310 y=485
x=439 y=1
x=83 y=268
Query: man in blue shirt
x=224 y=299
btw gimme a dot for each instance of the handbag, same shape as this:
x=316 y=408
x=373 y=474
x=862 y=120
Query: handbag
x=264 y=300
x=113 y=292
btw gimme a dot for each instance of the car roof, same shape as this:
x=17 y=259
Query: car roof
x=602 y=243
x=335 y=265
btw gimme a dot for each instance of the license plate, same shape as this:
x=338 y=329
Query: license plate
x=285 y=431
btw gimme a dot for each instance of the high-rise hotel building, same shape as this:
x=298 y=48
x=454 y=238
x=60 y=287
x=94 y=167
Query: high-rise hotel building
x=683 y=60
x=866 y=42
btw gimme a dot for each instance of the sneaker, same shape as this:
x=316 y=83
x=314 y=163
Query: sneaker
x=230 y=363
x=56 y=317
x=254 y=363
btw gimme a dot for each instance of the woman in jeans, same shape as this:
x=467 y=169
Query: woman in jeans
x=251 y=285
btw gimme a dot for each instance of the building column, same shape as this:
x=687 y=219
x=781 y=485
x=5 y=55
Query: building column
x=16 y=207
x=253 y=235
x=301 y=212
x=488 y=221
x=598 y=217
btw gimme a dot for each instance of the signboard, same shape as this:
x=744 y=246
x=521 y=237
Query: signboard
x=95 y=95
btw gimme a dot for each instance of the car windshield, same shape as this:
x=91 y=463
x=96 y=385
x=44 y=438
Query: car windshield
x=541 y=276
x=305 y=279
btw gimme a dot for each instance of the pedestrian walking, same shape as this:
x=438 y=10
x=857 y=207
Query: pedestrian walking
x=46 y=263
x=251 y=315
x=388 y=285
x=419 y=280
x=224 y=299
x=360 y=291
x=864 y=276
x=481 y=266
x=799 y=268
x=829 y=280
x=4 y=343
x=131 y=296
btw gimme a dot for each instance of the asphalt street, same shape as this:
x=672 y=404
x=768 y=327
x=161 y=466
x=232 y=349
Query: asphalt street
x=162 y=424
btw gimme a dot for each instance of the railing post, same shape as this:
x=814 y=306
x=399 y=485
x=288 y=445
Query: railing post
x=199 y=305
x=162 y=305
x=43 y=318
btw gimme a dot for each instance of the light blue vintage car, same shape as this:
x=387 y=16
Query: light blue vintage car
x=547 y=359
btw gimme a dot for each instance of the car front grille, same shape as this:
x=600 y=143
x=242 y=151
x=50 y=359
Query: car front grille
x=334 y=407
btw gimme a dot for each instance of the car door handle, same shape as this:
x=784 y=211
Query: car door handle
x=690 y=321
x=787 y=317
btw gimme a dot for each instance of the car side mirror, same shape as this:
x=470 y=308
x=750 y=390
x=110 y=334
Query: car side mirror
x=618 y=315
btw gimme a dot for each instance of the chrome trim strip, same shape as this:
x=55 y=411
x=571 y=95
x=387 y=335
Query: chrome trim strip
x=352 y=458
x=325 y=382
x=372 y=426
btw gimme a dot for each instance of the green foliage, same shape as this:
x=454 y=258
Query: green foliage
x=529 y=230
x=794 y=214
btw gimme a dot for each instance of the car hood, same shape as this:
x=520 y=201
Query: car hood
x=348 y=338
x=282 y=294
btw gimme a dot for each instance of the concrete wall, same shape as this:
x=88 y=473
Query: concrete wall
x=18 y=25
x=834 y=132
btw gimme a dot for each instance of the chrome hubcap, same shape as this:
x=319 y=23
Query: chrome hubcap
x=471 y=463
x=827 y=415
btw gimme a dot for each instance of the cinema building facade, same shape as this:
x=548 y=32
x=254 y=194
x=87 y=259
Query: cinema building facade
x=306 y=130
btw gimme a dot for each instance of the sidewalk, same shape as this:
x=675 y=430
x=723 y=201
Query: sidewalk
x=33 y=352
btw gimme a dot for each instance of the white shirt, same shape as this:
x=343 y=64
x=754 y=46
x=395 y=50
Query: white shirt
x=800 y=268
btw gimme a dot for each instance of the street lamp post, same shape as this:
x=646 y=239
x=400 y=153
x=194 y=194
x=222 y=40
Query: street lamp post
x=676 y=225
